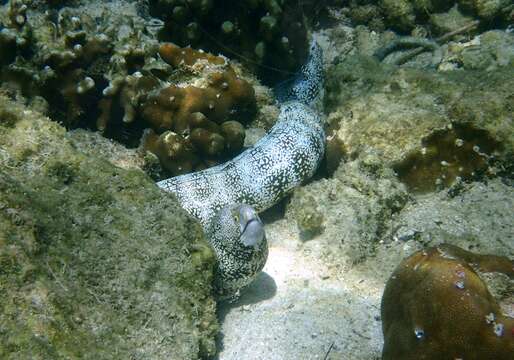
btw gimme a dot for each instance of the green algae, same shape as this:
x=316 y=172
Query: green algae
x=95 y=261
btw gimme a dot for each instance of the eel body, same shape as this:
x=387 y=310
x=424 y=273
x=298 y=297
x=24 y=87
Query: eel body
x=226 y=198
x=261 y=175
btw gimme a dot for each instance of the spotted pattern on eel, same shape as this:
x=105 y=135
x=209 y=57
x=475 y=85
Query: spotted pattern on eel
x=259 y=177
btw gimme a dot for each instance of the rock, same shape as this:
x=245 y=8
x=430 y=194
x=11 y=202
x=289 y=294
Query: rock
x=486 y=9
x=399 y=14
x=491 y=50
x=348 y=213
x=453 y=215
x=452 y=20
x=96 y=262
x=432 y=128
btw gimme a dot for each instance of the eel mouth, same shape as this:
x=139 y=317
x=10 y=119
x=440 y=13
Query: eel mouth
x=252 y=232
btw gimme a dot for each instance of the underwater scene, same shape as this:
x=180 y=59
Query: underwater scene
x=257 y=179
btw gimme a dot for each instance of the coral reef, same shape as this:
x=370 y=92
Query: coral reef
x=410 y=16
x=197 y=122
x=269 y=36
x=95 y=261
x=432 y=127
x=101 y=67
x=436 y=304
x=69 y=55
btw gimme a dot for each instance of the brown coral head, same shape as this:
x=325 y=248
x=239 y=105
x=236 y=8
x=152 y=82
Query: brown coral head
x=234 y=134
x=176 y=56
x=209 y=143
x=174 y=152
x=227 y=97
x=436 y=306
x=230 y=96
x=459 y=151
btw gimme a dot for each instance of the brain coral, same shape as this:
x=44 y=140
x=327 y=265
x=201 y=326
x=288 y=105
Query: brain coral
x=437 y=306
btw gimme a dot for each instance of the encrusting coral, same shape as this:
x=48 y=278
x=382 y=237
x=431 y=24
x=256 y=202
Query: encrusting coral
x=436 y=305
x=460 y=151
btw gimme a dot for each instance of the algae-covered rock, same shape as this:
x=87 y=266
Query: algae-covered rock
x=400 y=13
x=471 y=216
x=432 y=127
x=487 y=9
x=490 y=50
x=349 y=212
x=95 y=261
x=438 y=16
x=452 y=20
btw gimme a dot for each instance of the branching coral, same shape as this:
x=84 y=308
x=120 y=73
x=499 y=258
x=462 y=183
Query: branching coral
x=436 y=305
x=14 y=35
x=72 y=56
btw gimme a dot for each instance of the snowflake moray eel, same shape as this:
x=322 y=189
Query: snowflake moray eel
x=227 y=198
